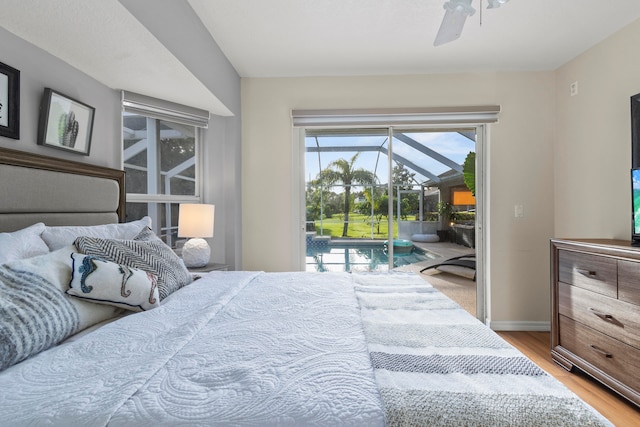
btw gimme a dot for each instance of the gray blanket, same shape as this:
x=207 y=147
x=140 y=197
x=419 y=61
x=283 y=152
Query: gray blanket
x=437 y=365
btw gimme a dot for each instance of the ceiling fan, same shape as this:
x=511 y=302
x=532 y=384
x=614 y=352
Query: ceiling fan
x=455 y=16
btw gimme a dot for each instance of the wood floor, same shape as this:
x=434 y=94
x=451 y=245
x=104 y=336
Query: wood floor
x=536 y=346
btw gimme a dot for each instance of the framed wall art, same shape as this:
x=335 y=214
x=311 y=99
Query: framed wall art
x=65 y=123
x=9 y=102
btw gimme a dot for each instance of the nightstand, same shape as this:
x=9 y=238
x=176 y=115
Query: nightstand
x=212 y=266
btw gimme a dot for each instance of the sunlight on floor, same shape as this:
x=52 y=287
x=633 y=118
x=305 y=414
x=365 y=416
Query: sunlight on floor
x=459 y=287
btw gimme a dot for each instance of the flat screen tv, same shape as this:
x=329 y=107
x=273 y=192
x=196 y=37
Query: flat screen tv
x=635 y=206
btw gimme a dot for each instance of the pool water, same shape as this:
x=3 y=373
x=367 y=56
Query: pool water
x=338 y=257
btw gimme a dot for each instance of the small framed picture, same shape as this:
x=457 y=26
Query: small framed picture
x=65 y=123
x=9 y=102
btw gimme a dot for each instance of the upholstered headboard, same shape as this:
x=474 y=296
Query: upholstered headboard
x=36 y=188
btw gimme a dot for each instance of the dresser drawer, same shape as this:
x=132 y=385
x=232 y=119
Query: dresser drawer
x=629 y=282
x=607 y=354
x=610 y=316
x=595 y=273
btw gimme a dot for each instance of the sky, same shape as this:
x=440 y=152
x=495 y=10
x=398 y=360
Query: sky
x=449 y=144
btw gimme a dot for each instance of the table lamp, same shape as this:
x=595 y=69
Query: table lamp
x=196 y=222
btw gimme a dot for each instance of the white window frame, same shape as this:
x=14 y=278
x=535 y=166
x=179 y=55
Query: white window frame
x=156 y=110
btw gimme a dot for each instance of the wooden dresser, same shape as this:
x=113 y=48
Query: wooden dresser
x=595 y=324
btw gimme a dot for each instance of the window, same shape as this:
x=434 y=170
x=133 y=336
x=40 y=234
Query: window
x=161 y=151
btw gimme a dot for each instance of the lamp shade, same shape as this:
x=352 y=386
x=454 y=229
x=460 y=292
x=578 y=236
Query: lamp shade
x=196 y=220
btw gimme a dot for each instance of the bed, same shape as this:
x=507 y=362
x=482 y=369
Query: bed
x=230 y=348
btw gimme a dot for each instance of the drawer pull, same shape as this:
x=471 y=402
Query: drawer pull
x=606 y=317
x=601 y=351
x=588 y=273
x=603 y=316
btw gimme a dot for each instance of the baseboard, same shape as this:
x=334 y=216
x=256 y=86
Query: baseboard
x=508 y=325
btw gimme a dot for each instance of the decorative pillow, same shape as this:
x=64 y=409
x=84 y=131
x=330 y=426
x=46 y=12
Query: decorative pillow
x=22 y=244
x=105 y=282
x=149 y=255
x=60 y=236
x=35 y=313
x=147 y=235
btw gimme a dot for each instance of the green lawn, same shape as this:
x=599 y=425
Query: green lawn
x=359 y=227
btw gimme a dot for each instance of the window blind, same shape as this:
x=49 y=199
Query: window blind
x=396 y=117
x=164 y=110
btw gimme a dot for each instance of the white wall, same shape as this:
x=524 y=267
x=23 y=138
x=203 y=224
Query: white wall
x=520 y=156
x=593 y=139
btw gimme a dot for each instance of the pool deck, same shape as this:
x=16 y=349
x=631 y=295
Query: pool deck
x=347 y=241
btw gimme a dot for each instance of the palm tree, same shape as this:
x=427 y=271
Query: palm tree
x=342 y=171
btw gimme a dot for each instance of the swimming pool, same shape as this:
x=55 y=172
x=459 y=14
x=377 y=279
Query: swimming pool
x=337 y=256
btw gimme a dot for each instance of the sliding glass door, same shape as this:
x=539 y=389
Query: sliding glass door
x=345 y=187
x=369 y=193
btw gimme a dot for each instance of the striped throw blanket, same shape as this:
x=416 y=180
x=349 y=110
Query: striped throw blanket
x=437 y=365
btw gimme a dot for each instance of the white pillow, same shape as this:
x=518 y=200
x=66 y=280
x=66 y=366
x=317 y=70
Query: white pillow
x=61 y=236
x=104 y=282
x=22 y=244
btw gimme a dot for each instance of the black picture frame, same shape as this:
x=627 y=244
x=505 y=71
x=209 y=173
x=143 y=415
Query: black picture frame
x=65 y=123
x=9 y=102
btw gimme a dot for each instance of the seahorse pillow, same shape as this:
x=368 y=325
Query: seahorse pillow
x=105 y=282
x=146 y=252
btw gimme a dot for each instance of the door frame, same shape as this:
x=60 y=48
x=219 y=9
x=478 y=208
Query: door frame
x=298 y=214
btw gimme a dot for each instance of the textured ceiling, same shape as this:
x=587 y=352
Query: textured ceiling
x=290 y=38
x=277 y=38
x=102 y=39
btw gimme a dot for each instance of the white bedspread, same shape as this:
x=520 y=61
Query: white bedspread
x=230 y=349
x=290 y=349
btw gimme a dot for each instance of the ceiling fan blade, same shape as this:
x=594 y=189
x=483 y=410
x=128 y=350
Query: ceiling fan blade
x=455 y=16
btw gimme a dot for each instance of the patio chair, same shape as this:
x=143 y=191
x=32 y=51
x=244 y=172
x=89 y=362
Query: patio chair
x=466 y=261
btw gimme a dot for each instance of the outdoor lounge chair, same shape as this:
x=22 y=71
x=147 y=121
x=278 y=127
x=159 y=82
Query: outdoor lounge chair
x=466 y=261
